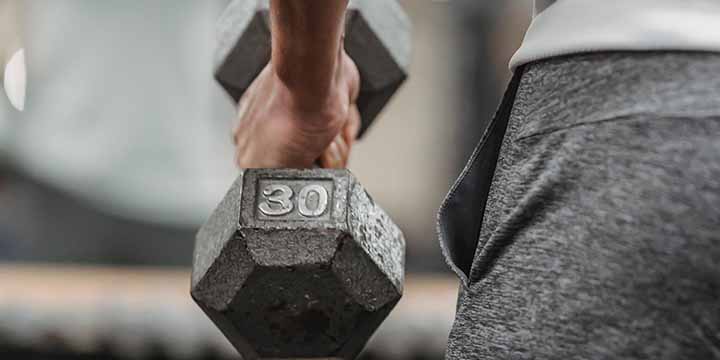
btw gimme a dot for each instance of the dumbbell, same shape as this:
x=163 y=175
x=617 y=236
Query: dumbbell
x=302 y=263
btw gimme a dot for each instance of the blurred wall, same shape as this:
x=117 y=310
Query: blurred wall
x=159 y=135
x=419 y=144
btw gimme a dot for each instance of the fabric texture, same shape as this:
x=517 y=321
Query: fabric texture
x=599 y=237
x=563 y=27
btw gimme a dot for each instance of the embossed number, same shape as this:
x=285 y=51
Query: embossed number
x=278 y=195
x=278 y=200
x=304 y=197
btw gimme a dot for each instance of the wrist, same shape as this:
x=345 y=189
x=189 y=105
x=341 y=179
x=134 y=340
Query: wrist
x=306 y=47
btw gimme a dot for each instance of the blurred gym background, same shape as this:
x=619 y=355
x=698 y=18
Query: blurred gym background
x=124 y=149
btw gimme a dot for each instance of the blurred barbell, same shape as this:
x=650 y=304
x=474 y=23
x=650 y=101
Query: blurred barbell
x=136 y=313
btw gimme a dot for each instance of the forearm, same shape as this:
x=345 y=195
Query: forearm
x=306 y=45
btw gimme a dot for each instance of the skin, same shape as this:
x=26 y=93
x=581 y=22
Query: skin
x=301 y=110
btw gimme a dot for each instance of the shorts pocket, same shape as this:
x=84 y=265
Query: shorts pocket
x=461 y=213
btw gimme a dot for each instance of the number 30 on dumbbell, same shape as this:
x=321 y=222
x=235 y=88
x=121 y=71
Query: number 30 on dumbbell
x=278 y=198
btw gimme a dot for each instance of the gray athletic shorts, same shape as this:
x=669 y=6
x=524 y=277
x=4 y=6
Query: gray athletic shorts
x=587 y=223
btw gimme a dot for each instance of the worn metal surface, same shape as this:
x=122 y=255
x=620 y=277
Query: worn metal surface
x=298 y=263
x=377 y=37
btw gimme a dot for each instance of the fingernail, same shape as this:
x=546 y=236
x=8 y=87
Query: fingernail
x=335 y=154
x=340 y=141
x=15 y=80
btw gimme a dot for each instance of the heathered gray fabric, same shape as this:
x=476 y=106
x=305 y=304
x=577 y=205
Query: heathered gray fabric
x=601 y=233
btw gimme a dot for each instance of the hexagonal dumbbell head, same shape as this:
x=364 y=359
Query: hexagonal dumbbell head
x=298 y=264
x=377 y=38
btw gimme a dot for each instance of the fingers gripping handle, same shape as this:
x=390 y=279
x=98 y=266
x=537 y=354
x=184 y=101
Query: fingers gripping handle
x=377 y=38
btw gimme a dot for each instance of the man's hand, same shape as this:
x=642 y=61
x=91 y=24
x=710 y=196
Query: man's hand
x=301 y=111
x=281 y=126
